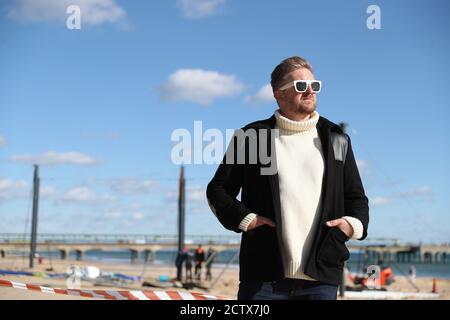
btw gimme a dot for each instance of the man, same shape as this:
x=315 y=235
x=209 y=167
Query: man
x=179 y=261
x=210 y=255
x=295 y=221
x=199 y=258
x=188 y=264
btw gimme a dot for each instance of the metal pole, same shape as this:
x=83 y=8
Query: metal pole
x=181 y=201
x=35 y=214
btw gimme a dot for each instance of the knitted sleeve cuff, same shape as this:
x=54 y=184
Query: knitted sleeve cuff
x=356 y=226
x=246 y=221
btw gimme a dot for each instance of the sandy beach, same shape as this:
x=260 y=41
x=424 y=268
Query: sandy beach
x=226 y=287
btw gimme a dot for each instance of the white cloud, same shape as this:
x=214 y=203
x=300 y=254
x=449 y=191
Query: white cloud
x=264 y=95
x=131 y=214
x=10 y=189
x=200 y=86
x=195 y=9
x=379 y=201
x=93 y=12
x=112 y=214
x=2 y=141
x=120 y=211
x=138 y=216
x=133 y=186
x=197 y=193
x=421 y=193
x=425 y=193
x=52 y=158
x=84 y=195
x=193 y=194
x=196 y=202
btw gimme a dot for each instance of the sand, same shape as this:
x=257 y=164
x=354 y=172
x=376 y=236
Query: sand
x=226 y=287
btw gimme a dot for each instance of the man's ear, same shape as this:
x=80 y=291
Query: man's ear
x=277 y=95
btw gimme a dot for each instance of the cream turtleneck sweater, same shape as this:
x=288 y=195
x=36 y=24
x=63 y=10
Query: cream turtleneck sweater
x=300 y=173
x=301 y=168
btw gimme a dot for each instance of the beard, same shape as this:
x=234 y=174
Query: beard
x=307 y=107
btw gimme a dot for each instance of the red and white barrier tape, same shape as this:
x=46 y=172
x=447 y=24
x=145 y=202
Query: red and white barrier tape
x=114 y=295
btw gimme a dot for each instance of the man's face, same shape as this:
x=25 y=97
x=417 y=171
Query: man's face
x=293 y=102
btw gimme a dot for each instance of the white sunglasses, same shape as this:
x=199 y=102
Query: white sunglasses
x=302 y=85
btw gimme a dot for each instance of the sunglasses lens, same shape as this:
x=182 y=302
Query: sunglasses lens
x=315 y=86
x=301 y=86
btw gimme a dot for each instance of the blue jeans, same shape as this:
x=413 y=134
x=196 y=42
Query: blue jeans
x=287 y=289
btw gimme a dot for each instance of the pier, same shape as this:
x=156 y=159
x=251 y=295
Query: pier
x=388 y=250
x=136 y=244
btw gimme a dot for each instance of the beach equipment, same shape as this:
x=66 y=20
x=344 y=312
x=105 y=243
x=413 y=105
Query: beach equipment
x=127 y=277
x=90 y=272
x=32 y=274
x=16 y=273
x=163 y=278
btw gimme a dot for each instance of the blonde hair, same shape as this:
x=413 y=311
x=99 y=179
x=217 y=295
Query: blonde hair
x=286 y=66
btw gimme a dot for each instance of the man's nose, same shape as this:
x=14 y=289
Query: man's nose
x=309 y=90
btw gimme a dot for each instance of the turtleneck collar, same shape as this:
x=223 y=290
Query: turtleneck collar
x=298 y=126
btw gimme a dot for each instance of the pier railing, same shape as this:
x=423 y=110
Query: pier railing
x=386 y=249
x=151 y=238
x=119 y=238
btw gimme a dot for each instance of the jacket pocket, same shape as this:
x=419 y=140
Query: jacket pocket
x=333 y=251
x=259 y=240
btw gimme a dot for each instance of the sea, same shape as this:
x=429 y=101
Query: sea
x=228 y=258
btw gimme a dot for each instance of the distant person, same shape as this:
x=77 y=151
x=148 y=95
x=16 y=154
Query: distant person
x=179 y=261
x=39 y=258
x=302 y=197
x=188 y=264
x=210 y=256
x=199 y=258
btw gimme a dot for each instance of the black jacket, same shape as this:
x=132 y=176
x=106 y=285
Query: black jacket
x=260 y=255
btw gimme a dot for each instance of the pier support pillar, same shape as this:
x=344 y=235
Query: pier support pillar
x=134 y=256
x=427 y=257
x=79 y=255
x=148 y=256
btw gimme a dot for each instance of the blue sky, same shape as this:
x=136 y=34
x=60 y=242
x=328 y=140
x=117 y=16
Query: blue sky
x=97 y=106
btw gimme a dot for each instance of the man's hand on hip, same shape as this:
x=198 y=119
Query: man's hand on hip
x=342 y=224
x=259 y=221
